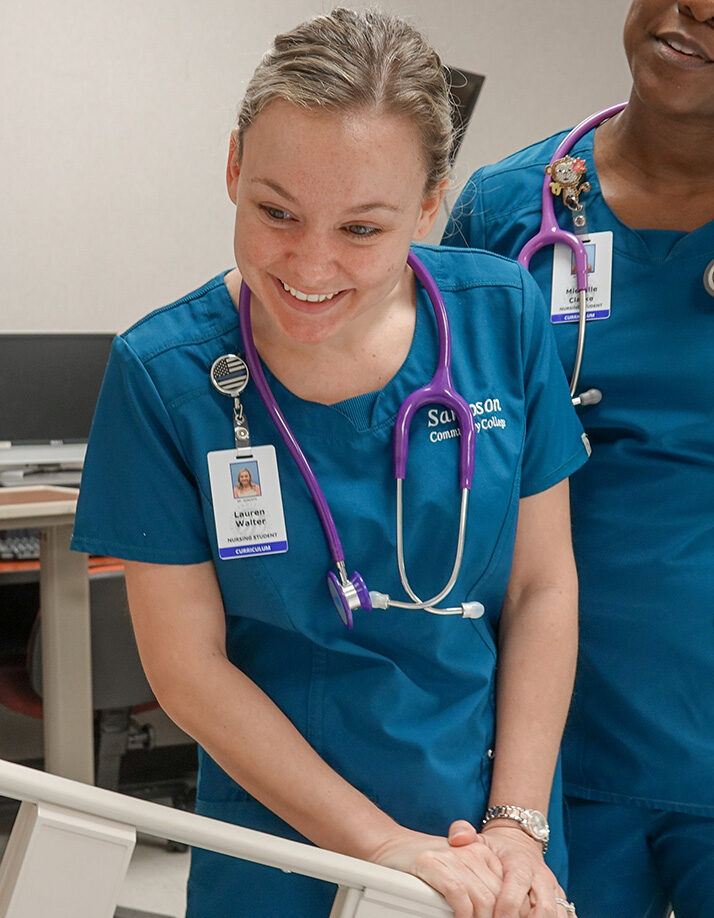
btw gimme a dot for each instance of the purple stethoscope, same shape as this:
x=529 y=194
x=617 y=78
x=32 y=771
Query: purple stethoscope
x=550 y=233
x=229 y=375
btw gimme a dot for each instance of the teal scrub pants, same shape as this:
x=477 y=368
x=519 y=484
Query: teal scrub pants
x=633 y=862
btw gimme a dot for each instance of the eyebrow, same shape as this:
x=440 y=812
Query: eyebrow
x=360 y=209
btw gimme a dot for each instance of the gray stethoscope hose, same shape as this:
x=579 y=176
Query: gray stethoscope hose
x=382 y=601
x=590 y=396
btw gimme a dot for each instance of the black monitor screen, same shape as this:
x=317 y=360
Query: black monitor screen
x=49 y=385
x=465 y=88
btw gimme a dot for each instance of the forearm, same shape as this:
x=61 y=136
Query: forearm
x=536 y=669
x=258 y=746
x=178 y=617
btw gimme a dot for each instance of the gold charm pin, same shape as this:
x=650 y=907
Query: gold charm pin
x=567 y=176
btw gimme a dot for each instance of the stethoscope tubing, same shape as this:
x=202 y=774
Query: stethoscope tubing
x=439 y=390
x=278 y=418
x=550 y=233
x=350 y=593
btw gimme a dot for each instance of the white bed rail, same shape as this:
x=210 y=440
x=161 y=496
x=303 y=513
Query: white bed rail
x=72 y=843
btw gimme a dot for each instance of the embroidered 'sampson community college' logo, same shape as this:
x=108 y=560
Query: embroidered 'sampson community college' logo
x=487 y=416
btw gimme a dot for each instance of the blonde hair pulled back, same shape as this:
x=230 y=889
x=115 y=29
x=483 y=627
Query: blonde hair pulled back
x=358 y=60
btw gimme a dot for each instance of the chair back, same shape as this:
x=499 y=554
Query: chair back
x=118 y=680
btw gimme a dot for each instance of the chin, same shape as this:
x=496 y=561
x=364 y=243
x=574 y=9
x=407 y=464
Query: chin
x=304 y=331
x=667 y=98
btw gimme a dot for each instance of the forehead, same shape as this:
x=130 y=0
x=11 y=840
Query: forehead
x=323 y=152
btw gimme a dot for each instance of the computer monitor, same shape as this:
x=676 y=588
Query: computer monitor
x=49 y=385
x=465 y=88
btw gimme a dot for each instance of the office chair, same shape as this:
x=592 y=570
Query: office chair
x=119 y=686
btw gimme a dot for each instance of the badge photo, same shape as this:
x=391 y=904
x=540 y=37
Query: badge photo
x=564 y=296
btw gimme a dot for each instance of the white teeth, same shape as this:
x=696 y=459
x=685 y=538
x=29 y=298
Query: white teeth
x=307 y=297
x=677 y=47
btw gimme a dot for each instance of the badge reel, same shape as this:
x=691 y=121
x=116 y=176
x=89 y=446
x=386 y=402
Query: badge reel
x=230 y=375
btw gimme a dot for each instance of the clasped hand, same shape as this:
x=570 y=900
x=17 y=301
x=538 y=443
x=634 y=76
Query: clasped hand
x=498 y=873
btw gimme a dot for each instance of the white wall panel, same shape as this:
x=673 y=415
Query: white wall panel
x=115 y=122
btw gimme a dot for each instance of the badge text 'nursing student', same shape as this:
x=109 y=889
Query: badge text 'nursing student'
x=247 y=503
x=564 y=297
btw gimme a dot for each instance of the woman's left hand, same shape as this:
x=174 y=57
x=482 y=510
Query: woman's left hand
x=525 y=873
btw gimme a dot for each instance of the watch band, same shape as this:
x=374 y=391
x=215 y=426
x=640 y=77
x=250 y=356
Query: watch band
x=532 y=822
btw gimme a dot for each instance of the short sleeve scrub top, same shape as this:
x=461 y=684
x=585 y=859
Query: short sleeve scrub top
x=641 y=730
x=402 y=706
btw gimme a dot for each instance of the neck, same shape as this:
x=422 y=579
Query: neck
x=660 y=147
x=362 y=357
x=655 y=168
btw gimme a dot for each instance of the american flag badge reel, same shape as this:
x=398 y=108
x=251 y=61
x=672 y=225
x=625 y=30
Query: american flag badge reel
x=230 y=376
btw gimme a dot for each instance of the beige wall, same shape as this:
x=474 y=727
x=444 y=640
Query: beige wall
x=115 y=121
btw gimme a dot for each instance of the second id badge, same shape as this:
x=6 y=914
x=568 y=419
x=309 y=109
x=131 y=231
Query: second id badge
x=247 y=503
x=564 y=296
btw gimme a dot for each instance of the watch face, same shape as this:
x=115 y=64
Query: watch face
x=538 y=825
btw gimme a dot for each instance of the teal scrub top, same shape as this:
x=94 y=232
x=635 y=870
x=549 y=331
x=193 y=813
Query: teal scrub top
x=403 y=706
x=642 y=724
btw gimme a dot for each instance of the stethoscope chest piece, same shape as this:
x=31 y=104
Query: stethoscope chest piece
x=348 y=595
x=709 y=278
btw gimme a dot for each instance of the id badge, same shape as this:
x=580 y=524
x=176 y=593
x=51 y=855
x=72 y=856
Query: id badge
x=564 y=296
x=247 y=503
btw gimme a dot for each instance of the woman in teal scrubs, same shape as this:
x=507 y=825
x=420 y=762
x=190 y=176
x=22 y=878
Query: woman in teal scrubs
x=369 y=742
x=639 y=746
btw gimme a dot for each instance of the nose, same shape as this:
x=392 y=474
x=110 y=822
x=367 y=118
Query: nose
x=701 y=10
x=313 y=261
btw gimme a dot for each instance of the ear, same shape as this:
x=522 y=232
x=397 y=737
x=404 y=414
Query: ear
x=233 y=167
x=429 y=210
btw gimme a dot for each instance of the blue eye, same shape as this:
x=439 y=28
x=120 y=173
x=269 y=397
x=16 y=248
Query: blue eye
x=359 y=229
x=275 y=213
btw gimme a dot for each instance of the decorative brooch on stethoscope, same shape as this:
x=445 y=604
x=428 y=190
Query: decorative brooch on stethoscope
x=568 y=180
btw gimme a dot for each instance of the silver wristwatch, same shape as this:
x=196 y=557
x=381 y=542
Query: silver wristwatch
x=533 y=822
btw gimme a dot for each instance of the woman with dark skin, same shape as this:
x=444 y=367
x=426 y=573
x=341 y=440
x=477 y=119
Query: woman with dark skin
x=639 y=746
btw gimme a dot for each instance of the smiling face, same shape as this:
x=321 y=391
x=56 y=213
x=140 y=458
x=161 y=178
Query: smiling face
x=244 y=479
x=326 y=207
x=670 y=48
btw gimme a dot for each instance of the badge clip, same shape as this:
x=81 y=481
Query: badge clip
x=230 y=375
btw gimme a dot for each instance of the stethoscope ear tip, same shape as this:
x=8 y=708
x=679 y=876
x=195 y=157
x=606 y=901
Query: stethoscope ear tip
x=589 y=397
x=472 y=609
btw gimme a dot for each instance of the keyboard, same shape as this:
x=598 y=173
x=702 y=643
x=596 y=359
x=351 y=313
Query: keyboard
x=19 y=545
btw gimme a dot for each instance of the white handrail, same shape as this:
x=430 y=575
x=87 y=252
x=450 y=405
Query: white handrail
x=27 y=784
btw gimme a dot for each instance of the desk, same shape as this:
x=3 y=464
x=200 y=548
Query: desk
x=66 y=651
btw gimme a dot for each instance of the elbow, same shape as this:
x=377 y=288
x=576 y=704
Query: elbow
x=181 y=687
